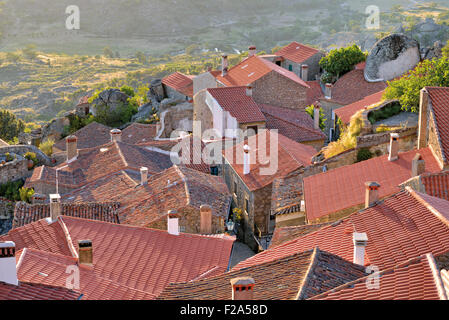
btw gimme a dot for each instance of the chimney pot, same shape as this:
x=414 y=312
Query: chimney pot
x=116 y=135
x=252 y=51
x=71 y=148
x=316 y=117
x=8 y=269
x=371 y=193
x=224 y=65
x=394 y=147
x=85 y=252
x=242 y=288
x=418 y=165
x=360 y=241
x=173 y=222
x=55 y=206
x=305 y=72
x=249 y=91
x=246 y=159
x=328 y=91
x=206 y=219
x=143 y=176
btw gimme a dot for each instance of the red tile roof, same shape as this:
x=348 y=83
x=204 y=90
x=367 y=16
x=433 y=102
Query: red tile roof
x=439 y=98
x=291 y=156
x=137 y=133
x=299 y=276
x=344 y=187
x=93 y=135
x=314 y=93
x=180 y=82
x=401 y=227
x=238 y=104
x=34 y=291
x=286 y=234
x=297 y=52
x=436 y=184
x=345 y=113
x=415 y=279
x=353 y=87
x=252 y=69
x=128 y=262
x=294 y=124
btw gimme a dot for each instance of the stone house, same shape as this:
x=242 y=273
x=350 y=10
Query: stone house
x=82 y=109
x=205 y=80
x=433 y=108
x=302 y=60
x=249 y=176
x=13 y=170
x=178 y=86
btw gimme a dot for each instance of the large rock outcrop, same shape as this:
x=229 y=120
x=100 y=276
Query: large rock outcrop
x=112 y=98
x=391 y=57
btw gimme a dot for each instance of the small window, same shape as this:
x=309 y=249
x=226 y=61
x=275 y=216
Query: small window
x=247 y=205
x=214 y=171
x=290 y=67
x=182 y=229
x=235 y=188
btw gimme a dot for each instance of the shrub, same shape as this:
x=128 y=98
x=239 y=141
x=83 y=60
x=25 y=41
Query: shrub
x=10 y=190
x=340 y=61
x=31 y=156
x=364 y=154
x=9 y=157
x=25 y=194
x=47 y=147
x=384 y=113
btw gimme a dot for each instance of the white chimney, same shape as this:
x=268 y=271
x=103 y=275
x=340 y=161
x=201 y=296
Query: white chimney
x=8 y=270
x=252 y=51
x=246 y=159
x=116 y=135
x=173 y=223
x=242 y=288
x=360 y=242
x=316 y=117
x=249 y=90
x=71 y=148
x=143 y=176
x=305 y=72
x=55 y=206
x=418 y=165
x=328 y=91
x=224 y=65
x=394 y=147
x=371 y=193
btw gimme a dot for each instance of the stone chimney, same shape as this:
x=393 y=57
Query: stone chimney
x=116 y=135
x=55 y=206
x=246 y=159
x=418 y=165
x=360 y=242
x=224 y=65
x=249 y=90
x=316 y=117
x=371 y=193
x=71 y=148
x=394 y=147
x=173 y=223
x=328 y=91
x=8 y=270
x=252 y=51
x=305 y=72
x=242 y=288
x=206 y=219
x=85 y=253
x=423 y=109
x=143 y=176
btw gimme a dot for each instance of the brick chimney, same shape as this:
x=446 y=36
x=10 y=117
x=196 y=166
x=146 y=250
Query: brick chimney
x=242 y=288
x=85 y=252
x=360 y=242
x=305 y=72
x=394 y=147
x=371 y=193
x=316 y=117
x=418 y=165
x=246 y=159
x=116 y=135
x=252 y=51
x=71 y=148
x=8 y=269
x=328 y=91
x=249 y=90
x=173 y=222
x=224 y=65
x=55 y=206
x=206 y=219
x=143 y=176
x=423 y=109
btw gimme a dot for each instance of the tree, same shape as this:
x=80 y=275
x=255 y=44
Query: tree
x=311 y=112
x=428 y=73
x=108 y=53
x=10 y=126
x=141 y=57
x=340 y=61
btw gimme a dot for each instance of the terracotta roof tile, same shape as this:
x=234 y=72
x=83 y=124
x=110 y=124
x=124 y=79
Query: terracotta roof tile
x=345 y=113
x=314 y=93
x=436 y=184
x=238 y=104
x=300 y=275
x=291 y=156
x=297 y=52
x=252 y=69
x=344 y=187
x=90 y=136
x=137 y=133
x=180 y=82
x=439 y=98
x=285 y=234
x=128 y=262
x=34 y=291
x=399 y=228
x=410 y=280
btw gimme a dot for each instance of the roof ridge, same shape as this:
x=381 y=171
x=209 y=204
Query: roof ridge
x=184 y=179
x=436 y=276
x=67 y=237
x=305 y=280
x=436 y=129
x=426 y=204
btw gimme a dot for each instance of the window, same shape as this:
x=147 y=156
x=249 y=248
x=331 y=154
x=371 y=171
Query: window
x=214 y=171
x=182 y=229
x=251 y=128
x=235 y=188
x=290 y=67
x=247 y=205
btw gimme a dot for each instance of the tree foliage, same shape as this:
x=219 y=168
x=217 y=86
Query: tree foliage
x=10 y=126
x=340 y=61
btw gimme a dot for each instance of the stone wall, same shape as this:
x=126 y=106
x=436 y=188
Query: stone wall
x=201 y=111
x=203 y=81
x=278 y=90
x=173 y=94
x=328 y=107
x=14 y=170
x=314 y=66
x=177 y=117
x=433 y=140
x=22 y=149
x=6 y=215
